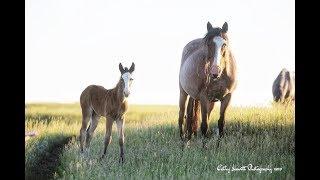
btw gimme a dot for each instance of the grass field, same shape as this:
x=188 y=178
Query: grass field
x=261 y=136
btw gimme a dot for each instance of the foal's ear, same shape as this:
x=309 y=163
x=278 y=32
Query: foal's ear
x=132 y=68
x=209 y=26
x=121 y=68
x=225 y=27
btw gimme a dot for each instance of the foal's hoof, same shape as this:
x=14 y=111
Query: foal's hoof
x=121 y=159
x=102 y=157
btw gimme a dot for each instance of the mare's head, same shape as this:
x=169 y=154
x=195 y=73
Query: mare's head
x=126 y=78
x=217 y=41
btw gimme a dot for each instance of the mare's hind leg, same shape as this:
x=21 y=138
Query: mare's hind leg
x=196 y=117
x=92 y=127
x=190 y=116
x=86 y=115
x=182 y=111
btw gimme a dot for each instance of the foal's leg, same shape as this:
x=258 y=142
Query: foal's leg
x=86 y=114
x=120 y=127
x=224 y=105
x=92 y=127
x=108 y=137
x=182 y=110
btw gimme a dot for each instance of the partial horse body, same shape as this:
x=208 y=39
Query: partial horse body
x=96 y=101
x=283 y=88
x=207 y=74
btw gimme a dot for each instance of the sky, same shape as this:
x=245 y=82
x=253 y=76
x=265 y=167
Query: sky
x=70 y=44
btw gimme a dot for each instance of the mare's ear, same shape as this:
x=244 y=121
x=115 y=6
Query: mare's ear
x=209 y=26
x=132 y=68
x=225 y=27
x=121 y=68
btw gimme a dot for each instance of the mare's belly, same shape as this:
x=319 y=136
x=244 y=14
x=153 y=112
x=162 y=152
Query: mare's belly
x=191 y=77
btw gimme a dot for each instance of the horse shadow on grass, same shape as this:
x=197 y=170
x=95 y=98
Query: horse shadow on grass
x=45 y=156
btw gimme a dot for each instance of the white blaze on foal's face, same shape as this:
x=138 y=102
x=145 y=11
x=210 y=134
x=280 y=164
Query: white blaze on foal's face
x=219 y=42
x=127 y=78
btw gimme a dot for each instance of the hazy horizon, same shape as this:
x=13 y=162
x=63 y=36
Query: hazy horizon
x=73 y=44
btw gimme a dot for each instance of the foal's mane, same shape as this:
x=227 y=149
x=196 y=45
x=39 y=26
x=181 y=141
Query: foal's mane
x=114 y=92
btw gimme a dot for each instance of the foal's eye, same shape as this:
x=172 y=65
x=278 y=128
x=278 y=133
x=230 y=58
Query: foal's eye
x=131 y=79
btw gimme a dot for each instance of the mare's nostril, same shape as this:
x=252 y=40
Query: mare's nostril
x=214 y=76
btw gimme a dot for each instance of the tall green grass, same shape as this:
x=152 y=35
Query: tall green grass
x=259 y=136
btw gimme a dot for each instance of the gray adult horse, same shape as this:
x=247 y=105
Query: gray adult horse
x=283 y=88
x=207 y=75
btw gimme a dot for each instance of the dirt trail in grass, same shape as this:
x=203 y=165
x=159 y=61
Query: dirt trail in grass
x=49 y=161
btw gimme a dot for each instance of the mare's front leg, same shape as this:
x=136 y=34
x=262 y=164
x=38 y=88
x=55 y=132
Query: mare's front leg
x=204 y=124
x=108 y=137
x=224 y=105
x=120 y=127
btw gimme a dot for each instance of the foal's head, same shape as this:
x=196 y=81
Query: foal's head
x=217 y=41
x=126 y=78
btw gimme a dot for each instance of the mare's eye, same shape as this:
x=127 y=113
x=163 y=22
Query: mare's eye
x=223 y=49
x=131 y=79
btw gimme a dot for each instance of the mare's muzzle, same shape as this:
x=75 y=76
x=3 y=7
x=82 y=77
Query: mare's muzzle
x=215 y=71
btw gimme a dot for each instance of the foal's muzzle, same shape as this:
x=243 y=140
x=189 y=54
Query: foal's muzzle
x=126 y=94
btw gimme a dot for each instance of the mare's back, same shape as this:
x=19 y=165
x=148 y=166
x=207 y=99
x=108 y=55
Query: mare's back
x=190 y=48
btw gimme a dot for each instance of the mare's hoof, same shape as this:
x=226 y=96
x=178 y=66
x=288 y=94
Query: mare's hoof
x=188 y=144
x=182 y=138
x=221 y=135
x=102 y=157
x=205 y=143
x=205 y=146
